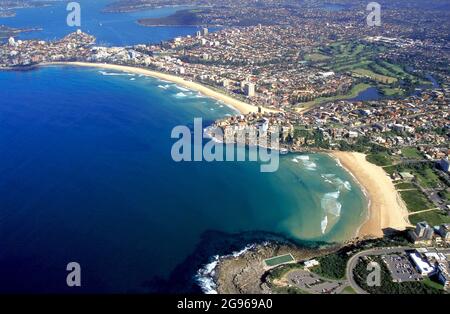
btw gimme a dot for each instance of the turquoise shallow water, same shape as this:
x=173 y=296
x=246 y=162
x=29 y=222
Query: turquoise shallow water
x=87 y=176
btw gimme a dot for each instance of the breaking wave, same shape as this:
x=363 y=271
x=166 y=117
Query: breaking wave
x=180 y=94
x=182 y=88
x=331 y=208
x=337 y=182
x=306 y=162
x=115 y=73
x=330 y=203
x=324 y=224
x=205 y=276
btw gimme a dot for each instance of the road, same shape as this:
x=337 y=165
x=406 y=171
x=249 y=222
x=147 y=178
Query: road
x=377 y=251
x=354 y=260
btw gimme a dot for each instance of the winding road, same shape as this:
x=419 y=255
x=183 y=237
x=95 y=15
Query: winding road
x=351 y=264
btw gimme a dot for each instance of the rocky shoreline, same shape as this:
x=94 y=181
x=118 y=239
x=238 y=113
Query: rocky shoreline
x=245 y=273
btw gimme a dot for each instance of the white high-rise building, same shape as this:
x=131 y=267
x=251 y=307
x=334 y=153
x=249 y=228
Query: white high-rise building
x=250 y=89
x=205 y=31
x=11 y=41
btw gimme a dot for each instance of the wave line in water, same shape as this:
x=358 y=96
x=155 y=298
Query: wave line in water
x=205 y=276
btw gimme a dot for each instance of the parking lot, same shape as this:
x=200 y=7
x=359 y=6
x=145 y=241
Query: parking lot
x=401 y=268
x=312 y=283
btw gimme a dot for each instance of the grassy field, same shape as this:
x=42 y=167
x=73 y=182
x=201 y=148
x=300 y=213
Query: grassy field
x=434 y=218
x=375 y=76
x=352 y=94
x=387 y=91
x=364 y=60
x=423 y=173
x=379 y=159
x=390 y=169
x=427 y=178
x=348 y=290
x=433 y=284
x=316 y=57
x=411 y=153
x=416 y=201
x=405 y=186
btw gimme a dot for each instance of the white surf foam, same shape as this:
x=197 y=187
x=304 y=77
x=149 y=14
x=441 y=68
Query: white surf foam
x=182 y=88
x=205 y=276
x=330 y=203
x=337 y=182
x=305 y=162
x=324 y=224
x=115 y=73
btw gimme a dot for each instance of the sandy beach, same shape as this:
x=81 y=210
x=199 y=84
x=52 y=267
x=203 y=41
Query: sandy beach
x=241 y=106
x=386 y=209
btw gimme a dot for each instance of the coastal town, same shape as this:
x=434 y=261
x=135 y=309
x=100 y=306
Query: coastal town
x=304 y=83
x=413 y=262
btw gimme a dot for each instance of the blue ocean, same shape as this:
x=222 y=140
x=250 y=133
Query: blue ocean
x=86 y=176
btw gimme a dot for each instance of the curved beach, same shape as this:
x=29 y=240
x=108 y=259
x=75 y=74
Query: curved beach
x=386 y=209
x=241 y=106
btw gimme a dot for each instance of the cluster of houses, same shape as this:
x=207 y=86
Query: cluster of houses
x=17 y=53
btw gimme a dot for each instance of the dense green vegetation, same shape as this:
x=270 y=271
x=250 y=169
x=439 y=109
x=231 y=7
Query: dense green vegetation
x=332 y=266
x=351 y=94
x=390 y=169
x=314 y=136
x=423 y=172
x=445 y=195
x=280 y=271
x=416 y=201
x=405 y=186
x=411 y=153
x=379 y=159
x=182 y=17
x=387 y=286
x=363 y=145
x=364 y=61
x=427 y=178
x=434 y=218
